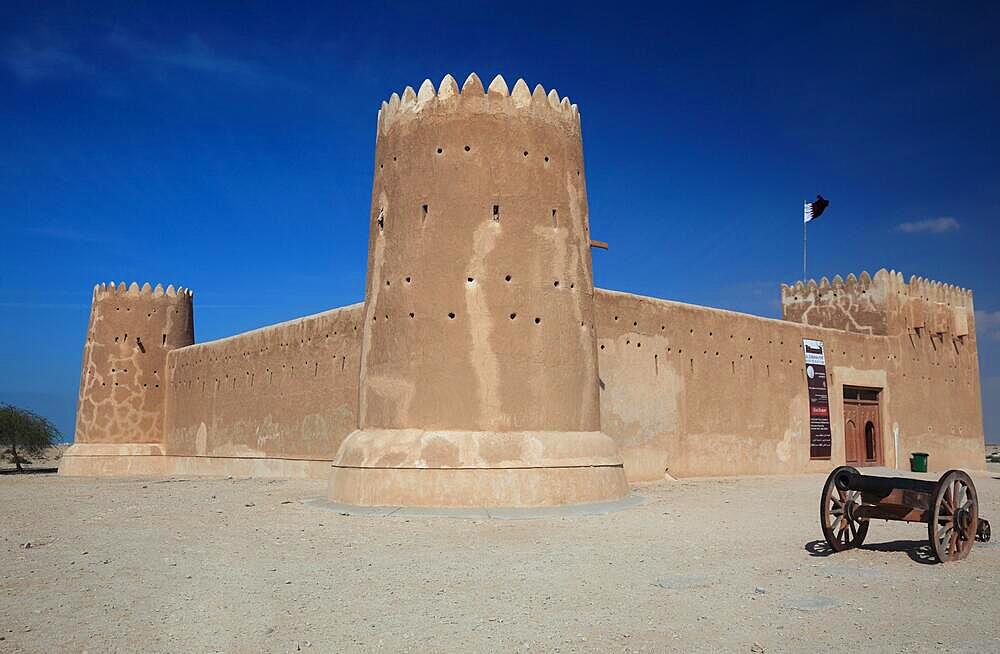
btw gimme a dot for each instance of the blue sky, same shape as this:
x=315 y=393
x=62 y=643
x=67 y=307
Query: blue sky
x=229 y=149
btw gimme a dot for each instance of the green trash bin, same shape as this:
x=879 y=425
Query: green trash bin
x=918 y=461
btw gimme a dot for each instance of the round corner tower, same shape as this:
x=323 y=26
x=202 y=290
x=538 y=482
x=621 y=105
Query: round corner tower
x=479 y=380
x=123 y=376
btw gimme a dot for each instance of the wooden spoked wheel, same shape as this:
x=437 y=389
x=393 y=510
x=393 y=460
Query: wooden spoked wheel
x=954 y=517
x=842 y=530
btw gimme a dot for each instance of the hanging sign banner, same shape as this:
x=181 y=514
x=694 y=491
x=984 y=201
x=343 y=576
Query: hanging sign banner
x=819 y=400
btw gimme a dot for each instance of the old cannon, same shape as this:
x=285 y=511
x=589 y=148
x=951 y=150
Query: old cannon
x=949 y=507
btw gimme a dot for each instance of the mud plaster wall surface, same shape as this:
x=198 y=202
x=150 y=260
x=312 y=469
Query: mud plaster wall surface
x=285 y=391
x=480 y=300
x=123 y=375
x=858 y=306
x=697 y=391
x=883 y=305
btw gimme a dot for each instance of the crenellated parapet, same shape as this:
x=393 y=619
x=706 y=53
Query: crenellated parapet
x=133 y=290
x=879 y=305
x=938 y=308
x=856 y=304
x=472 y=98
x=123 y=376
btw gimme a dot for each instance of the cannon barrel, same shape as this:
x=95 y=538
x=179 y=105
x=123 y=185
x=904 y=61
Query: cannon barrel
x=881 y=486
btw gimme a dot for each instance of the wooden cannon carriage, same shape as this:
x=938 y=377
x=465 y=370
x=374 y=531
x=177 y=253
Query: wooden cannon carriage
x=949 y=507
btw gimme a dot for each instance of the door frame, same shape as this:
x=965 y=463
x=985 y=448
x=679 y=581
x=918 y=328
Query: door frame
x=866 y=399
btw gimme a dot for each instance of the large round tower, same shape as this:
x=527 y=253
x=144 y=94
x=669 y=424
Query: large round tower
x=120 y=412
x=479 y=382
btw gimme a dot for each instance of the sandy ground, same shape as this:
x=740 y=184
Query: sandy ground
x=734 y=565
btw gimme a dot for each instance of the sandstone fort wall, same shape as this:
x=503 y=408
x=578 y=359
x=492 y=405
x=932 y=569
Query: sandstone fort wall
x=124 y=371
x=479 y=304
x=479 y=359
x=684 y=390
x=484 y=368
x=881 y=305
x=694 y=391
x=288 y=391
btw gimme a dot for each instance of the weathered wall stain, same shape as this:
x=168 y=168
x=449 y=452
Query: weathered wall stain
x=470 y=288
x=479 y=304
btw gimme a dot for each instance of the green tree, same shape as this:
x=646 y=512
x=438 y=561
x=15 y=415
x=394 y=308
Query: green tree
x=24 y=434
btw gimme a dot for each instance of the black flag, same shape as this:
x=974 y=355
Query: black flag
x=815 y=209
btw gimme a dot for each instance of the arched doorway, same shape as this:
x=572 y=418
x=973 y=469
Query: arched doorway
x=862 y=427
x=870 y=441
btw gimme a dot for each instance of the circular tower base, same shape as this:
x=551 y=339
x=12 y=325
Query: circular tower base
x=413 y=467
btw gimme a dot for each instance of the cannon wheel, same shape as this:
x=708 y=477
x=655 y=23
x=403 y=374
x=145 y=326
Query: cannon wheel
x=954 y=517
x=836 y=514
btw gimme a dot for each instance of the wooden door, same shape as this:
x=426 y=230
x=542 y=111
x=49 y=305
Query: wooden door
x=862 y=427
x=871 y=434
x=851 y=437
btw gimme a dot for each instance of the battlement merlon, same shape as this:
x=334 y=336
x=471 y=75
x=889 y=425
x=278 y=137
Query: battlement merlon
x=473 y=98
x=111 y=289
x=880 y=305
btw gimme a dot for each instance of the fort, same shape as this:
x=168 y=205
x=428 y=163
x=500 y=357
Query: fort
x=484 y=369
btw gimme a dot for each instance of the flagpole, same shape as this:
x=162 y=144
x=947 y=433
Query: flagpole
x=804 y=243
x=810 y=212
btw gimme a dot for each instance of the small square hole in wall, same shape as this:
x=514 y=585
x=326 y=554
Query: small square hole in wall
x=496 y=213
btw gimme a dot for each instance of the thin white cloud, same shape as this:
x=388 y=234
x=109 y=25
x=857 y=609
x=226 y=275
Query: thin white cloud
x=40 y=305
x=33 y=60
x=194 y=55
x=233 y=306
x=44 y=56
x=991 y=408
x=988 y=324
x=65 y=234
x=929 y=226
x=988 y=319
